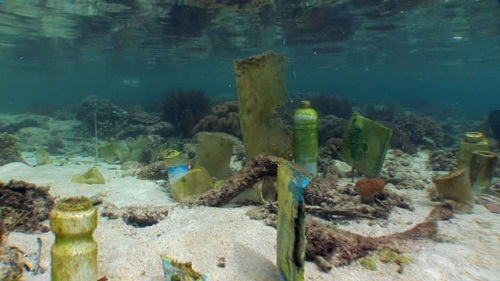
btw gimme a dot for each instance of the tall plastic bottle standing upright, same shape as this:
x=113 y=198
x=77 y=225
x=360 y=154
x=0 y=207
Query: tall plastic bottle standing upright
x=305 y=137
x=74 y=253
x=471 y=142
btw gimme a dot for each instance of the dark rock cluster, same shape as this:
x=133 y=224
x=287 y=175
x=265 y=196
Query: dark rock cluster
x=184 y=109
x=113 y=122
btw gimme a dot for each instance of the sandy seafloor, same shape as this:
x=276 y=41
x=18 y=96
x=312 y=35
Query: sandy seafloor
x=201 y=235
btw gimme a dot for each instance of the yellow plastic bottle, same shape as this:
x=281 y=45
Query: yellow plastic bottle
x=74 y=253
x=471 y=142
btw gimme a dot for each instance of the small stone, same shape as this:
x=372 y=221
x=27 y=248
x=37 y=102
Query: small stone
x=221 y=261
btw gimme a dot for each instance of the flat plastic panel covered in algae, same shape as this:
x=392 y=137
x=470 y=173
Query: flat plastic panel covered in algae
x=291 y=221
x=364 y=145
x=261 y=89
x=214 y=153
x=92 y=176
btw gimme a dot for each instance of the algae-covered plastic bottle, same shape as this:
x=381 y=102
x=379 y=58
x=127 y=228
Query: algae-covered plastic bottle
x=482 y=170
x=305 y=137
x=471 y=142
x=74 y=253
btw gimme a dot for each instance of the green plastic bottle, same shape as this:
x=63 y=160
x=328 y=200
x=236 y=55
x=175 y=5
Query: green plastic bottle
x=471 y=142
x=305 y=137
x=74 y=253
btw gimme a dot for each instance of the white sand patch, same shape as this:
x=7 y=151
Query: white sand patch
x=201 y=235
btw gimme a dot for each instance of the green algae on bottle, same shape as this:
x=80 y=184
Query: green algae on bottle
x=305 y=137
x=74 y=253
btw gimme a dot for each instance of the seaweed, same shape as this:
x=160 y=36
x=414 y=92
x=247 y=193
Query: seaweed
x=184 y=109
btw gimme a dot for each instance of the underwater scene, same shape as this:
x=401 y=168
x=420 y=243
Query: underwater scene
x=250 y=140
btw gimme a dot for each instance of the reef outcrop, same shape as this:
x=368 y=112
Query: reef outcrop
x=184 y=109
x=222 y=118
x=115 y=122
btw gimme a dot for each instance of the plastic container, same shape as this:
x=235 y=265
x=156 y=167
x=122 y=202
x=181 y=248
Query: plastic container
x=482 y=170
x=365 y=144
x=74 y=253
x=305 y=137
x=471 y=142
x=456 y=186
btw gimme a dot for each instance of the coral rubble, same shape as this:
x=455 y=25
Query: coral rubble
x=28 y=200
x=137 y=216
x=420 y=128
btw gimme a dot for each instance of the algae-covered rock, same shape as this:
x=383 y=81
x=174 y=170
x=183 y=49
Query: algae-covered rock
x=154 y=171
x=214 y=154
x=194 y=183
x=261 y=89
x=92 y=176
x=368 y=263
x=387 y=255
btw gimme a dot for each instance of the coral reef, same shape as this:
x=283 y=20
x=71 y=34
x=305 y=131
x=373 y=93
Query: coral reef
x=368 y=189
x=380 y=112
x=494 y=123
x=9 y=152
x=399 y=139
x=115 y=122
x=222 y=118
x=106 y=116
x=184 y=109
x=331 y=127
x=409 y=129
x=420 y=129
x=154 y=171
x=326 y=104
x=327 y=153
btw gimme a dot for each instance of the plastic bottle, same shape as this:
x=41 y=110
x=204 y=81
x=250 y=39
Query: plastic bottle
x=305 y=137
x=471 y=142
x=74 y=253
x=482 y=170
